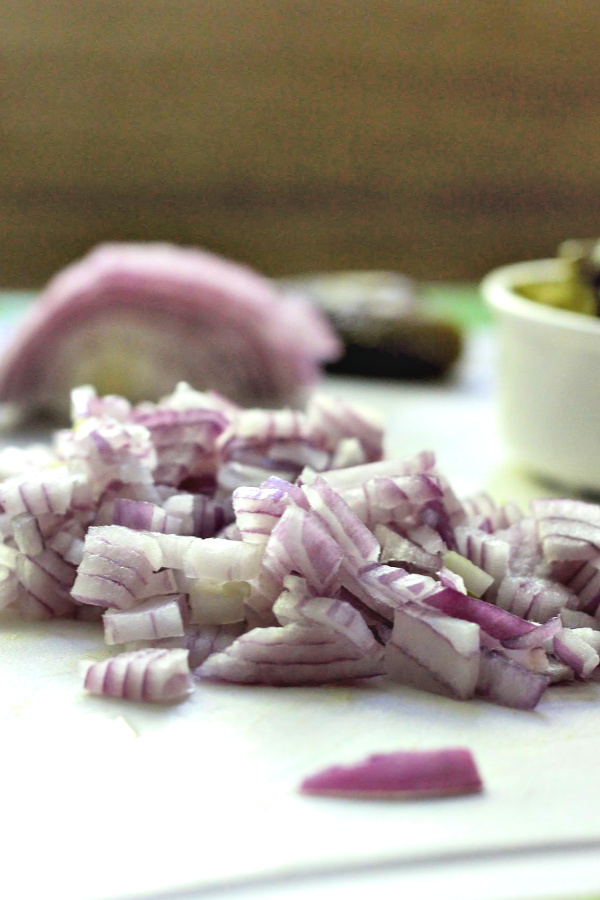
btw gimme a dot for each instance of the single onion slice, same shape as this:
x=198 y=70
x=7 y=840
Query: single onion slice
x=154 y=675
x=348 y=479
x=133 y=319
x=537 y=637
x=475 y=580
x=404 y=774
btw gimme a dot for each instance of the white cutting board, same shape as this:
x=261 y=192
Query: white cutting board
x=106 y=799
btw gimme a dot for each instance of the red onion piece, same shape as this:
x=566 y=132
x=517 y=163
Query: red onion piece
x=299 y=543
x=489 y=552
x=495 y=621
x=153 y=675
x=404 y=774
x=484 y=513
x=296 y=604
x=336 y=420
x=220 y=559
x=536 y=637
x=356 y=540
x=348 y=479
x=433 y=652
x=215 y=602
x=39 y=493
x=159 y=617
x=571 y=649
x=257 y=511
x=531 y=598
x=291 y=655
x=503 y=681
x=9 y=587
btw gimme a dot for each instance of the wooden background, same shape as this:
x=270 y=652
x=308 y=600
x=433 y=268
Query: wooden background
x=435 y=137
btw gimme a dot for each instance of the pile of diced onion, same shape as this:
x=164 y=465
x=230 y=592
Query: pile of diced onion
x=277 y=547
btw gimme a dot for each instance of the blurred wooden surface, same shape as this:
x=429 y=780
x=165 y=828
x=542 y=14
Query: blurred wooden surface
x=435 y=137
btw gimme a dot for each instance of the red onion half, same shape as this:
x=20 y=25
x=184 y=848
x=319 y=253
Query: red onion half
x=134 y=319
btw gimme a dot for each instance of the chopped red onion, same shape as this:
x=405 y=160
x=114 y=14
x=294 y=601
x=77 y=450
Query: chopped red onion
x=475 y=580
x=538 y=636
x=483 y=512
x=356 y=540
x=257 y=511
x=403 y=774
x=9 y=587
x=27 y=534
x=328 y=575
x=536 y=599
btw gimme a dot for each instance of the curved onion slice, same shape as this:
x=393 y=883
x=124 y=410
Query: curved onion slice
x=417 y=773
x=133 y=319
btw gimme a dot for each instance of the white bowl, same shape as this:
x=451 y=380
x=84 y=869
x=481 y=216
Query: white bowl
x=548 y=381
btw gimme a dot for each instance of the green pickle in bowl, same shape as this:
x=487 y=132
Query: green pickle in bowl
x=579 y=290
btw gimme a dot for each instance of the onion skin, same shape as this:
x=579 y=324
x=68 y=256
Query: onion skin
x=405 y=774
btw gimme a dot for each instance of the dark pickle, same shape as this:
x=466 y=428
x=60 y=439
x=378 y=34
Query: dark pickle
x=579 y=290
x=382 y=319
